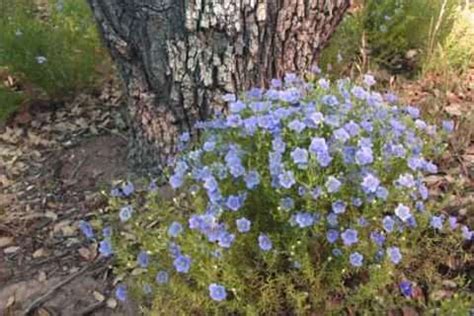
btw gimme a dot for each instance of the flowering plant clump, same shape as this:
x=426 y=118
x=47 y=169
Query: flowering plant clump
x=300 y=191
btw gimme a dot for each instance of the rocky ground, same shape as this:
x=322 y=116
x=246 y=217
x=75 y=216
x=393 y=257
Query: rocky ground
x=57 y=161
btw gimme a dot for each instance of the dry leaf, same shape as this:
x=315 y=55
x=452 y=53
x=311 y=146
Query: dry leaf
x=11 y=250
x=454 y=109
x=39 y=253
x=85 y=253
x=5 y=241
x=42 y=312
x=10 y=301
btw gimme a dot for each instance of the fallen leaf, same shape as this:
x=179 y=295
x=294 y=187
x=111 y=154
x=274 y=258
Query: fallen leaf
x=42 y=312
x=85 y=253
x=10 y=301
x=11 y=250
x=5 y=241
x=51 y=215
x=39 y=253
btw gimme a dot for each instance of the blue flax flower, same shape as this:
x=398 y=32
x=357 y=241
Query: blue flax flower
x=394 y=254
x=121 y=292
x=105 y=248
x=243 y=225
x=436 y=222
x=182 y=264
x=264 y=242
x=304 y=219
x=338 y=207
x=287 y=179
x=143 y=259
x=333 y=184
x=356 y=259
x=349 y=237
x=406 y=288
x=125 y=213
x=370 y=183
x=388 y=224
x=332 y=235
x=175 y=229
x=86 y=229
x=403 y=212
x=217 y=292
x=162 y=277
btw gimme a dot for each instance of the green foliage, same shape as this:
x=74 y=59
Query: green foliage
x=386 y=30
x=302 y=273
x=455 y=54
x=9 y=102
x=55 y=47
x=344 y=46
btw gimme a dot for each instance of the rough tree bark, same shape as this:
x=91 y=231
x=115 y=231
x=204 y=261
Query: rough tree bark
x=177 y=56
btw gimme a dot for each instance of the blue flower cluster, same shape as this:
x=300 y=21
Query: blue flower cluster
x=338 y=162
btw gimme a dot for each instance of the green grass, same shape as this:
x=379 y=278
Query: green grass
x=9 y=102
x=56 y=49
x=380 y=33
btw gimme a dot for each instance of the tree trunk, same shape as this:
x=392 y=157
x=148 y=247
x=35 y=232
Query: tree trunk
x=176 y=57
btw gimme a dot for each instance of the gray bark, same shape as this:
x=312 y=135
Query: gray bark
x=176 y=57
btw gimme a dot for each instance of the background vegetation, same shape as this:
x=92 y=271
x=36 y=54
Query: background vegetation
x=409 y=37
x=50 y=49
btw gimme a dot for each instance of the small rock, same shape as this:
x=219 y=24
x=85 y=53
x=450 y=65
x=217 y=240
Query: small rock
x=111 y=303
x=98 y=296
x=42 y=276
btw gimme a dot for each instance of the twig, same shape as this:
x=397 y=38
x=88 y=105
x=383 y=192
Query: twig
x=92 y=308
x=76 y=170
x=40 y=300
x=438 y=25
x=8 y=230
x=116 y=133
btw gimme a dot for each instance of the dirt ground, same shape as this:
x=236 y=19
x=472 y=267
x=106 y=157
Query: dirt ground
x=55 y=162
